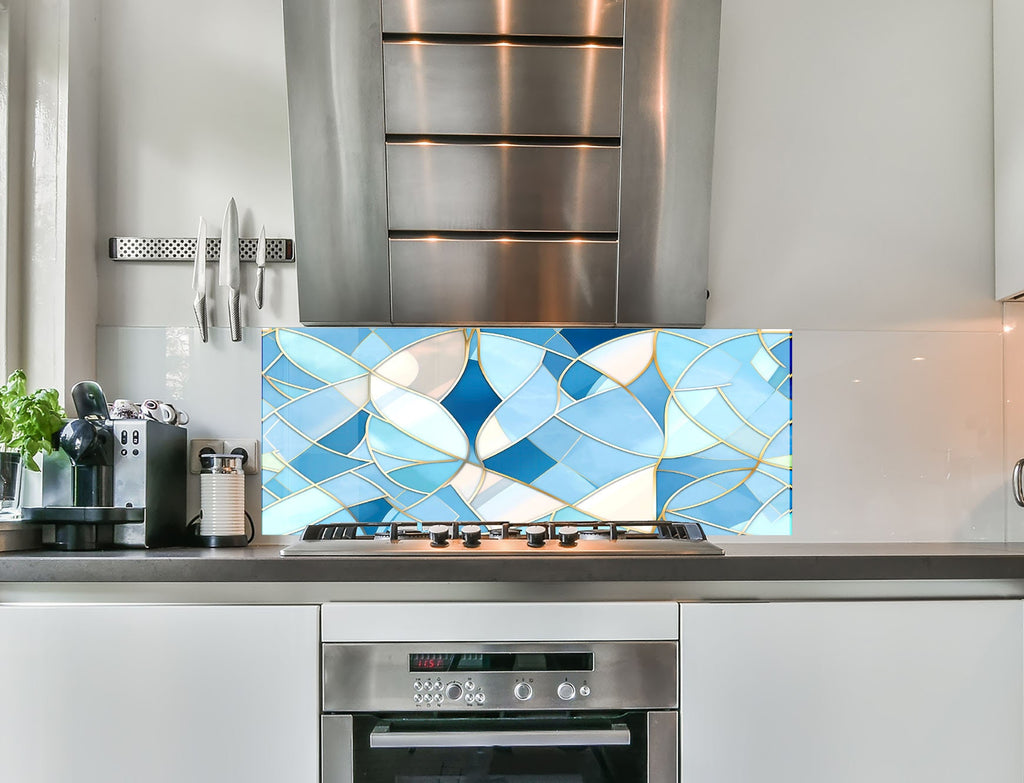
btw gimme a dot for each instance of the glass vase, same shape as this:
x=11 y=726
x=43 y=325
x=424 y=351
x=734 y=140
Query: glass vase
x=11 y=469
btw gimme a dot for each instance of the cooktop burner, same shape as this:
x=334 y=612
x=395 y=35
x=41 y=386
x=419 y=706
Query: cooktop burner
x=503 y=538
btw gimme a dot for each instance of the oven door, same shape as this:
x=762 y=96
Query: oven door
x=631 y=747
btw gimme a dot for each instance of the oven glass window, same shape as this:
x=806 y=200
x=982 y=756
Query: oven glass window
x=481 y=759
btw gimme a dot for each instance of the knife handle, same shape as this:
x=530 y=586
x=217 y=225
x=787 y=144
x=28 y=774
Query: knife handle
x=234 y=317
x=258 y=293
x=199 y=306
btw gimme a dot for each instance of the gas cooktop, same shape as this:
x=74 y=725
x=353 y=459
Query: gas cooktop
x=455 y=539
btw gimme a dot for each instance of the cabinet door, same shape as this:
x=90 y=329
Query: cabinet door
x=852 y=692
x=162 y=694
x=1008 y=127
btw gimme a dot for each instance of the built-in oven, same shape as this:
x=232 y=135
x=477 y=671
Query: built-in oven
x=514 y=712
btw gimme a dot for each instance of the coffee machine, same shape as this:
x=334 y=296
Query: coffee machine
x=110 y=483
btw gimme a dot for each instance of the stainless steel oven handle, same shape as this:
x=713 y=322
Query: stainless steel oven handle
x=383 y=737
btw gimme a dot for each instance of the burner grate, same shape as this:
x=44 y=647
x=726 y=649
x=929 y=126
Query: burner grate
x=607 y=531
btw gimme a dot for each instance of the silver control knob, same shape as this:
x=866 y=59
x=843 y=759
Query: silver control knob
x=453 y=691
x=584 y=690
x=439 y=535
x=536 y=535
x=417 y=686
x=522 y=691
x=470 y=685
x=479 y=698
x=566 y=691
x=417 y=699
x=471 y=535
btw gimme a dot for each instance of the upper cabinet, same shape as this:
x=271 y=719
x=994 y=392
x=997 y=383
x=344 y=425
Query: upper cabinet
x=1008 y=108
x=502 y=161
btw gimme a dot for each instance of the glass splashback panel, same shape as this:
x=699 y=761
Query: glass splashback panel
x=438 y=424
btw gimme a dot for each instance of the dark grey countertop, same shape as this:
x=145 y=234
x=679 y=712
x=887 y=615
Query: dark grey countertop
x=748 y=561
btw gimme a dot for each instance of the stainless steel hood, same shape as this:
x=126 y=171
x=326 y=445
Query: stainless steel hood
x=502 y=161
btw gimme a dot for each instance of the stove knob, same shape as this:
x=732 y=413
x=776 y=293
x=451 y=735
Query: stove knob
x=522 y=691
x=471 y=535
x=453 y=692
x=566 y=691
x=568 y=535
x=536 y=535
x=438 y=535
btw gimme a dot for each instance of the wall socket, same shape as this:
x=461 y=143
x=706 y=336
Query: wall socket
x=198 y=446
x=249 y=447
x=250 y=451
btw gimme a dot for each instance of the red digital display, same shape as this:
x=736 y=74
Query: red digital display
x=430 y=662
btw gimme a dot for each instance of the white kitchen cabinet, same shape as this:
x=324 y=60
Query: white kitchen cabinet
x=850 y=692
x=161 y=694
x=1008 y=133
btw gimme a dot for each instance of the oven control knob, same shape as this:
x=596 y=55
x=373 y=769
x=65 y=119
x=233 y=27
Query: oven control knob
x=453 y=692
x=438 y=535
x=536 y=535
x=584 y=690
x=568 y=535
x=522 y=691
x=471 y=535
x=566 y=691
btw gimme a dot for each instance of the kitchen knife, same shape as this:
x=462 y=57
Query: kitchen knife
x=261 y=262
x=199 y=281
x=229 y=275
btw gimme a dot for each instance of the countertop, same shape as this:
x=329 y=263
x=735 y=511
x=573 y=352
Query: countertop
x=998 y=566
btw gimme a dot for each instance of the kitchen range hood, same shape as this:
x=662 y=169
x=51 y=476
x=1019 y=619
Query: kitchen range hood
x=502 y=161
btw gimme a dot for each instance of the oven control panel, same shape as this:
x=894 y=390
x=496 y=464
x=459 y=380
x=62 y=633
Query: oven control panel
x=440 y=692
x=514 y=676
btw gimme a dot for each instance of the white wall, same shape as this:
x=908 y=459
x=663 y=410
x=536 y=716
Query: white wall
x=193 y=112
x=852 y=203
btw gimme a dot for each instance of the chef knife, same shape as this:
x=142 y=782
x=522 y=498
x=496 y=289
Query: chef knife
x=199 y=281
x=261 y=262
x=229 y=275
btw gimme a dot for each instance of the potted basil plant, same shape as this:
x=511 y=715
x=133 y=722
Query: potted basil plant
x=28 y=423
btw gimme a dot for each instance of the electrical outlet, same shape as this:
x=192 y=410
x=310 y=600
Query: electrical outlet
x=198 y=446
x=249 y=449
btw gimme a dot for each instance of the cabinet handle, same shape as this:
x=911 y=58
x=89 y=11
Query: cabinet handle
x=1018 y=487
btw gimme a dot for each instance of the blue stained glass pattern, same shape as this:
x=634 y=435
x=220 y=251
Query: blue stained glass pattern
x=527 y=424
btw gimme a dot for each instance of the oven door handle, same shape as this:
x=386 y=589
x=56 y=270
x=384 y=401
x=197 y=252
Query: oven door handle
x=383 y=737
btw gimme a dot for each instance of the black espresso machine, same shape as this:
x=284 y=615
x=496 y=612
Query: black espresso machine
x=112 y=482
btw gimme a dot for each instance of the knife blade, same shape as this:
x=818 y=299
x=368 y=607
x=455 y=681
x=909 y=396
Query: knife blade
x=261 y=262
x=229 y=273
x=199 y=281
